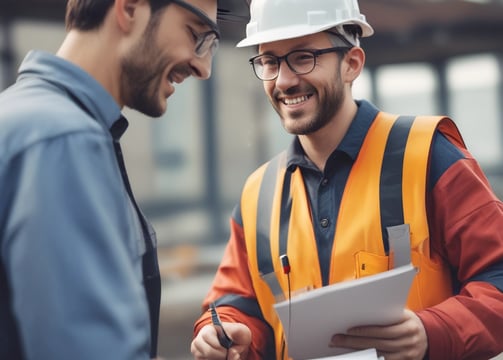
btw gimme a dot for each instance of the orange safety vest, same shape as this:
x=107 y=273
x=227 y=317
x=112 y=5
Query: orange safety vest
x=389 y=174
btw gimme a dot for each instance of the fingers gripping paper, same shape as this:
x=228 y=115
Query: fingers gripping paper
x=310 y=319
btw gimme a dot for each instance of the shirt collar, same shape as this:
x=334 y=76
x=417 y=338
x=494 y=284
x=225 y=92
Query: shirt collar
x=119 y=127
x=81 y=86
x=351 y=142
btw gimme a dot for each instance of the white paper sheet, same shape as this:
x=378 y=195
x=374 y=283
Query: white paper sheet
x=310 y=319
x=369 y=354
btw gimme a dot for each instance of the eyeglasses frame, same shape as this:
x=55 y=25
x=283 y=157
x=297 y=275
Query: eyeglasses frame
x=279 y=59
x=201 y=37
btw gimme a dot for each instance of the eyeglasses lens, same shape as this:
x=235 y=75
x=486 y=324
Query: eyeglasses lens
x=266 y=67
x=207 y=42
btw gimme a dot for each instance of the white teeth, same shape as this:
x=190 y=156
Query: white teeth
x=175 y=79
x=296 y=100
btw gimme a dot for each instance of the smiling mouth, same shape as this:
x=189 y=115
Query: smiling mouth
x=175 y=79
x=178 y=75
x=295 y=100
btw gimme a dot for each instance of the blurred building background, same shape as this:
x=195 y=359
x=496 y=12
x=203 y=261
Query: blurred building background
x=187 y=167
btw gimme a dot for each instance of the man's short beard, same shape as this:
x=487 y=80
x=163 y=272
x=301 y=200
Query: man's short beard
x=330 y=104
x=141 y=73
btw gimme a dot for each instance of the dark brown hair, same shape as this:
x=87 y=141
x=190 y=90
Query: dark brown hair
x=90 y=14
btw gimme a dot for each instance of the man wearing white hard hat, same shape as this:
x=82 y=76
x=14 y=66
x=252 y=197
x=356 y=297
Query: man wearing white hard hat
x=326 y=209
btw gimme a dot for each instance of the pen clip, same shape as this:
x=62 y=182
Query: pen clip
x=223 y=338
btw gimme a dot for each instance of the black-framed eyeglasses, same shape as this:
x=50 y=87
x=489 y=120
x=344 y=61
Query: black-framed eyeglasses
x=206 y=41
x=301 y=62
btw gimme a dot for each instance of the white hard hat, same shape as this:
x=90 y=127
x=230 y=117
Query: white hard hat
x=272 y=20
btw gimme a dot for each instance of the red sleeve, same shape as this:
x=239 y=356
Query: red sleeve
x=466 y=222
x=232 y=277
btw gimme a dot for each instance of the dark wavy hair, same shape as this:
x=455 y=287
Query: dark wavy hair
x=90 y=14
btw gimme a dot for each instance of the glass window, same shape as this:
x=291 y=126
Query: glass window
x=362 y=86
x=178 y=144
x=407 y=89
x=473 y=83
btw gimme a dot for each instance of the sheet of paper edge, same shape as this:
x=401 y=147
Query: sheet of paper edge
x=318 y=314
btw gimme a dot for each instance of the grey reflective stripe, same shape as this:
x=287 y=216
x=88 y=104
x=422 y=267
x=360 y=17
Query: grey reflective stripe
x=390 y=183
x=245 y=305
x=272 y=281
x=263 y=226
x=399 y=242
x=396 y=234
x=285 y=213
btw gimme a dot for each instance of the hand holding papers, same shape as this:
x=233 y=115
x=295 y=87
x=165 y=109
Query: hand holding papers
x=310 y=319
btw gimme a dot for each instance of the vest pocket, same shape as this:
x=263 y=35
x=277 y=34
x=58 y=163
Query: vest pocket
x=431 y=285
x=369 y=264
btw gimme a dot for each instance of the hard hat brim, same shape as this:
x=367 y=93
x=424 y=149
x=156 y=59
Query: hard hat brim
x=291 y=32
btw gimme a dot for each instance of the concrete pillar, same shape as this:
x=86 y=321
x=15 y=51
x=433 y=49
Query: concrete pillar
x=443 y=103
x=7 y=56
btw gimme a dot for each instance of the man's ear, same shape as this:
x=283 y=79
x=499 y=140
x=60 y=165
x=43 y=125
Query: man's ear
x=354 y=61
x=125 y=12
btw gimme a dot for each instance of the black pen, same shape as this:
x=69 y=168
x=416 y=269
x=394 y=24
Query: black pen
x=223 y=338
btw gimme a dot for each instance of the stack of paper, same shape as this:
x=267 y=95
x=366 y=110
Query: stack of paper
x=369 y=354
x=311 y=319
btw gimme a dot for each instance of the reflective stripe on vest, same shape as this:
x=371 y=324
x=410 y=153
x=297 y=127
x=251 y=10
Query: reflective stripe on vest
x=386 y=187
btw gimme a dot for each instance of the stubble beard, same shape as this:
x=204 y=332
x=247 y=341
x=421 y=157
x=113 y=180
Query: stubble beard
x=329 y=103
x=142 y=70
